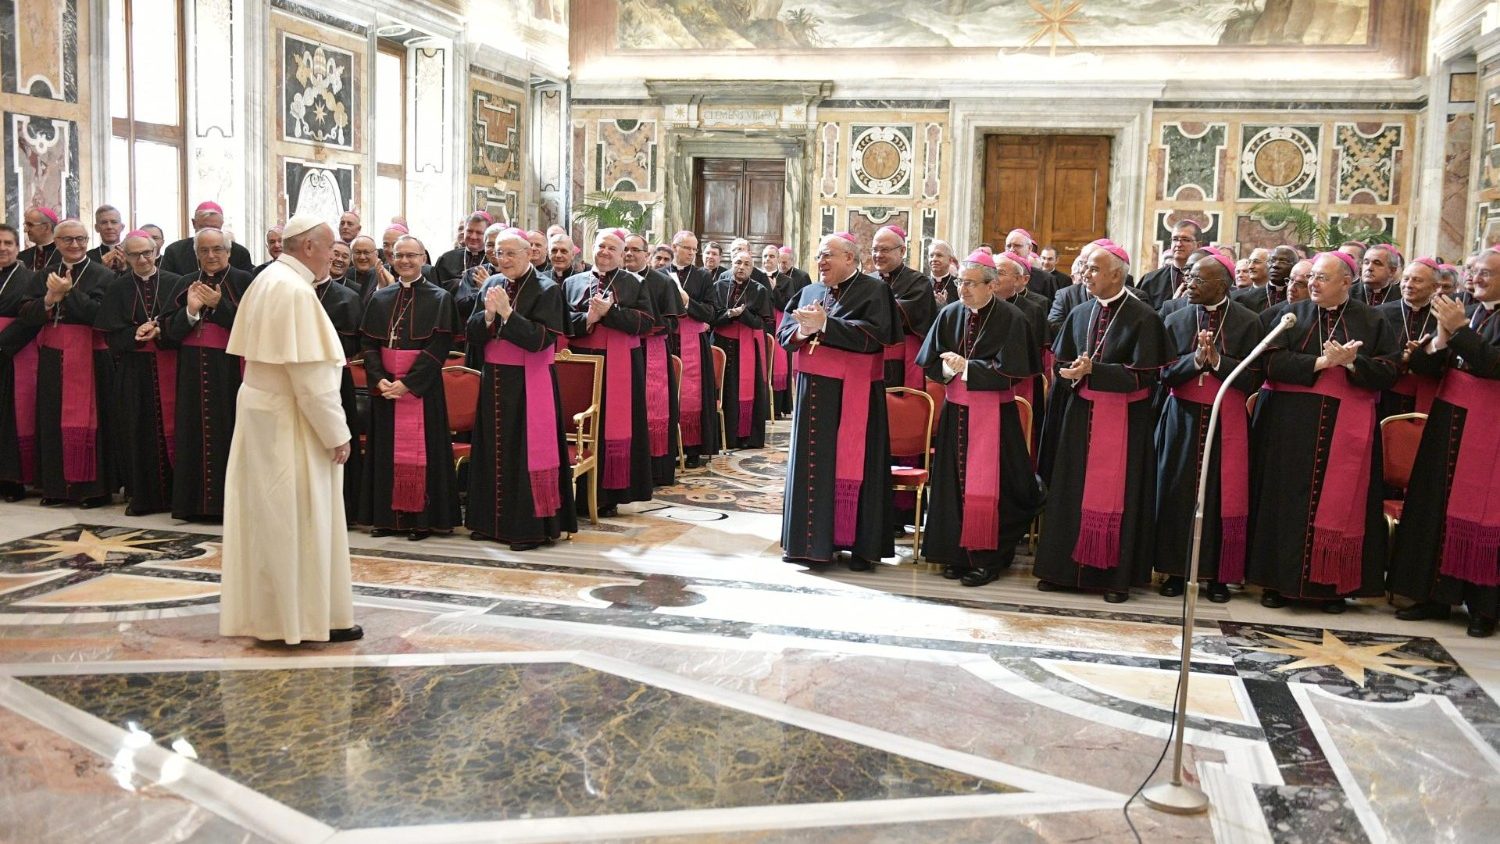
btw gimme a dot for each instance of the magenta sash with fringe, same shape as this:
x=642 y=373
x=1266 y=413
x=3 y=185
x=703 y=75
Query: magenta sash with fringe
x=906 y=352
x=780 y=360
x=80 y=409
x=658 y=393
x=981 y=531
x=749 y=341
x=1423 y=388
x=23 y=369
x=409 y=446
x=1098 y=544
x=1234 y=470
x=691 y=389
x=1471 y=538
x=619 y=399
x=166 y=394
x=1339 y=523
x=857 y=372
x=543 y=461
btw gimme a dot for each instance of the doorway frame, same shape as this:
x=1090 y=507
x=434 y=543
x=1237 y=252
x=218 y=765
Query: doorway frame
x=685 y=147
x=1125 y=120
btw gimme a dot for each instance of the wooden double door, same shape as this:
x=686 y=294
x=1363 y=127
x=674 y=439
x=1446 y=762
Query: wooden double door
x=739 y=197
x=1054 y=186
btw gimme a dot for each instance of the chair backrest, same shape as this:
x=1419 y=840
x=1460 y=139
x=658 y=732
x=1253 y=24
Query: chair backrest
x=357 y=372
x=1023 y=409
x=721 y=359
x=939 y=392
x=461 y=391
x=580 y=380
x=909 y=418
x=1400 y=435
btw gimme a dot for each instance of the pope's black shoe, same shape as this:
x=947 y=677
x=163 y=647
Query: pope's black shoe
x=347 y=634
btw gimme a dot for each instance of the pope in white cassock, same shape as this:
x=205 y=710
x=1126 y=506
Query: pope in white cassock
x=286 y=545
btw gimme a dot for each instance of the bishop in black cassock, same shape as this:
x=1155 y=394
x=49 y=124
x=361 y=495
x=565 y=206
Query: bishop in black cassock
x=1412 y=323
x=914 y=300
x=699 y=396
x=983 y=493
x=208 y=378
x=136 y=306
x=1316 y=525
x=409 y=484
x=1102 y=477
x=744 y=314
x=17 y=375
x=662 y=412
x=1209 y=338
x=609 y=311
x=784 y=286
x=520 y=489
x=1448 y=542
x=840 y=446
x=74 y=374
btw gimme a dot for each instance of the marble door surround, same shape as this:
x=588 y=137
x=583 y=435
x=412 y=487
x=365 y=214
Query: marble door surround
x=738 y=120
x=1121 y=112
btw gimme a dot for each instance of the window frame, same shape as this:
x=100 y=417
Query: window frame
x=130 y=130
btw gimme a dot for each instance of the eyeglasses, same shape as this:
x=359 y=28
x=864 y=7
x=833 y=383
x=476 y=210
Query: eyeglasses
x=1320 y=277
x=136 y=256
x=512 y=253
x=406 y=256
x=962 y=283
x=74 y=239
x=1184 y=240
x=211 y=250
x=884 y=250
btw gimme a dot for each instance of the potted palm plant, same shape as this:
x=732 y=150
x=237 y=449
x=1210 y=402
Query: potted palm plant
x=608 y=210
x=1313 y=233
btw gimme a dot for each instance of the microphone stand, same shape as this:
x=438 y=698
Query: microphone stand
x=1177 y=797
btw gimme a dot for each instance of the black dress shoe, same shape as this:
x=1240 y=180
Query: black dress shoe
x=859 y=563
x=1171 y=587
x=1116 y=597
x=1424 y=611
x=55 y=502
x=480 y=537
x=1335 y=606
x=1048 y=586
x=1481 y=627
x=609 y=512
x=1271 y=598
x=379 y=532
x=952 y=572
x=979 y=577
x=418 y=535
x=347 y=634
x=690 y=463
x=1218 y=592
x=93 y=503
x=12 y=492
x=525 y=546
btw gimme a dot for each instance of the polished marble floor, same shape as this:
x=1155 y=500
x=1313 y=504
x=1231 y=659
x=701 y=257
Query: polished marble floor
x=665 y=677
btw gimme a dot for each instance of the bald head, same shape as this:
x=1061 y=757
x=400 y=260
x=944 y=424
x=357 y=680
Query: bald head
x=837 y=258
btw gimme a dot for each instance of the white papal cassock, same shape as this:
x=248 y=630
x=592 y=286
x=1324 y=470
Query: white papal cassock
x=286 y=544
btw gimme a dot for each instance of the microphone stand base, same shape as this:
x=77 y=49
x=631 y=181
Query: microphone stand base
x=1176 y=799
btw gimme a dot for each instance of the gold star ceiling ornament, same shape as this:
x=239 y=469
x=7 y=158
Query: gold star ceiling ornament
x=1053 y=23
x=95 y=548
x=1353 y=660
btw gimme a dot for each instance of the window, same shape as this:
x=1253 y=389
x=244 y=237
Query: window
x=390 y=135
x=147 y=161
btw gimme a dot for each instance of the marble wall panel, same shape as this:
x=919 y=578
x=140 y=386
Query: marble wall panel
x=548 y=154
x=1486 y=212
x=1458 y=154
x=618 y=148
x=318 y=104
x=46 y=105
x=1219 y=164
x=498 y=125
x=625 y=155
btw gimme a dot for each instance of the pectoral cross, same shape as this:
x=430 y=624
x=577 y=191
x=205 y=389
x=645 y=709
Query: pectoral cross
x=812 y=345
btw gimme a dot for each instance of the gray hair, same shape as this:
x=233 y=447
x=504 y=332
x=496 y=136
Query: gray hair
x=494 y=229
x=224 y=233
x=942 y=246
x=986 y=272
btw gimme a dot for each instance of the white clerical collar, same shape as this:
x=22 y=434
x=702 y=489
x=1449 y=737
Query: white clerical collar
x=1113 y=299
x=404 y=283
x=677 y=269
x=1489 y=306
x=1215 y=306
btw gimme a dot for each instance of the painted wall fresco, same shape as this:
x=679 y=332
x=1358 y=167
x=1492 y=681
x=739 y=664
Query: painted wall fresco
x=498 y=126
x=806 y=24
x=44 y=105
x=1214 y=167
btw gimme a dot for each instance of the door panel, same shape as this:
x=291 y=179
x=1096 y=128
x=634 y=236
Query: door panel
x=740 y=197
x=1054 y=186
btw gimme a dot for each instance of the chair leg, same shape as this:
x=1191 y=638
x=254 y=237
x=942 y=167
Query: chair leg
x=723 y=434
x=594 y=495
x=916 y=539
x=681 y=452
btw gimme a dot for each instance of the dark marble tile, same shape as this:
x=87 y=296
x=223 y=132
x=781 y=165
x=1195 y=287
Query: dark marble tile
x=1309 y=815
x=382 y=746
x=1298 y=755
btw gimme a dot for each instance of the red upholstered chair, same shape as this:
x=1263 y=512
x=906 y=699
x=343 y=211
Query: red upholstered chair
x=721 y=360
x=939 y=392
x=909 y=416
x=461 y=394
x=580 y=384
x=1400 y=435
x=676 y=363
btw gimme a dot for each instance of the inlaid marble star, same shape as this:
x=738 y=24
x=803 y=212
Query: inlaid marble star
x=1053 y=23
x=1353 y=660
x=90 y=545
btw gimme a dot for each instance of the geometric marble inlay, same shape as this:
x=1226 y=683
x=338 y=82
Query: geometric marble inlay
x=1279 y=159
x=1367 y=162
x=380 y=746
x=1192 y=159
x=880 y=160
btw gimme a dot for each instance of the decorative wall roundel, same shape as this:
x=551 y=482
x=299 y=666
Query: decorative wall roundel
x=881 y=160
x=1280 y=159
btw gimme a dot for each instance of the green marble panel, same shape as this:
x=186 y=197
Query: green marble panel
x=385 y=746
